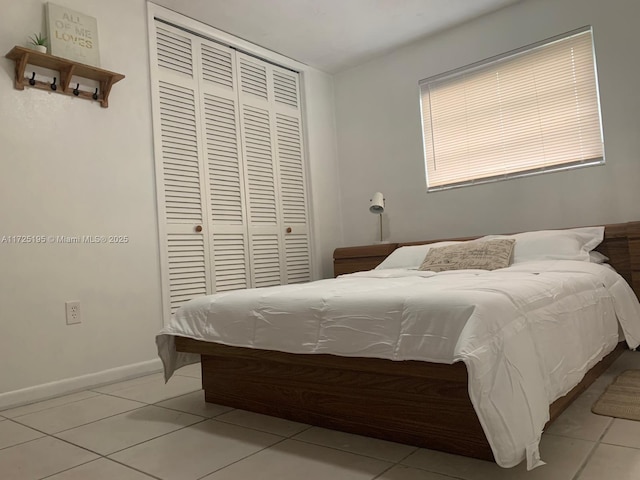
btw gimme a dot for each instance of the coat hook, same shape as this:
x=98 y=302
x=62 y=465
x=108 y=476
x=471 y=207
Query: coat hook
x=95 y=94
x=32 y=80
x=53 y=85
x=76 y=91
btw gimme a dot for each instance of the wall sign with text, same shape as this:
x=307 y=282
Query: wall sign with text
x=73 y=35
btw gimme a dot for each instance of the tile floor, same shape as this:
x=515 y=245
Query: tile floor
x=143 y=429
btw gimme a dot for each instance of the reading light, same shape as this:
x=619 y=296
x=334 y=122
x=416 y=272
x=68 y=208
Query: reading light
x=377 y=206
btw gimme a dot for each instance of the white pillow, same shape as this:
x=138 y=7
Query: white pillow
x=572 y=244
x=597 y=257
x=410 y=256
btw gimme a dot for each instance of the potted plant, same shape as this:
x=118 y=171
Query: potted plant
x=39 y=42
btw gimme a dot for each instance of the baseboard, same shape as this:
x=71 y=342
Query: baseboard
x=75 y=384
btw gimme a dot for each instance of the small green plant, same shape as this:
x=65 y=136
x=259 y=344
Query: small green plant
x=38 y=39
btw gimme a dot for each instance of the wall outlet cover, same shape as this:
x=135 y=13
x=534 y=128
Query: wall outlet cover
x=73 y=312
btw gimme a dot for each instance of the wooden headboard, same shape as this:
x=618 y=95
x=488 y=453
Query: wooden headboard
x=621 y=244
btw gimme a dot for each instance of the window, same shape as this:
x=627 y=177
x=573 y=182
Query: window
x=531 y=111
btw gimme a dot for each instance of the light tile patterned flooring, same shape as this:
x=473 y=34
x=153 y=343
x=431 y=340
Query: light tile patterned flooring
x=143 y=429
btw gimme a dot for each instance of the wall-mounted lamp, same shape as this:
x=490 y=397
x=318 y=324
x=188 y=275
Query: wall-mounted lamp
x=377 y=206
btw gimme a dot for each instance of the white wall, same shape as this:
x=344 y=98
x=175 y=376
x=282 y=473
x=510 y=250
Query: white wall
x=70 y=167
x=380 y=144
x=323 y=168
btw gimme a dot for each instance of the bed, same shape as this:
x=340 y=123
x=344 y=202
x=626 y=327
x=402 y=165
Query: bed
x=409 y=401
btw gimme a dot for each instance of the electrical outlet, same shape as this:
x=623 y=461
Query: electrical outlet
x=73 y=312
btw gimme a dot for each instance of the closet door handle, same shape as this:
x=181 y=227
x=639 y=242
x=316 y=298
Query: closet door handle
x=288 y=230
x=199 y=228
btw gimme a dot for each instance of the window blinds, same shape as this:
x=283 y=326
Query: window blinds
x=530 y=112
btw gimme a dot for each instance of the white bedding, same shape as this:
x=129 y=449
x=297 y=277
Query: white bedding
x=527 y=333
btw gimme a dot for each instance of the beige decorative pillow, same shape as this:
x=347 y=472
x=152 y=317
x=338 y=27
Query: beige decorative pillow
x=485 y=255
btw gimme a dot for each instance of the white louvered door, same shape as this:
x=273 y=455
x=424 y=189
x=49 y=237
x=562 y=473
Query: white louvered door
x=229 y=171
x=265 y=230
x=276 y=184
x=287 y=120
x=229 y=244
x=179 y=178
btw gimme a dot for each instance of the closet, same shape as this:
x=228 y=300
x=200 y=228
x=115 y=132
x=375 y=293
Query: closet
x=230 y=176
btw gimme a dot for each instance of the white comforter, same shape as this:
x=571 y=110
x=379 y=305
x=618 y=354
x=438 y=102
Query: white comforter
x=527 y=333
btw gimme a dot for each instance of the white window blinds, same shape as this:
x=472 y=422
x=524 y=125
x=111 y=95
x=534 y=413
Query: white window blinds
x=533 y=111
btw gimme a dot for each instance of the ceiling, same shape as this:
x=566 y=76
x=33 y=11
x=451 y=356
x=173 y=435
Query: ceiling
x=332 y=35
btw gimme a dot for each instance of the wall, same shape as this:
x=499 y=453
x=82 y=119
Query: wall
x=380 y=143
x=323 y=168
x=70 y=167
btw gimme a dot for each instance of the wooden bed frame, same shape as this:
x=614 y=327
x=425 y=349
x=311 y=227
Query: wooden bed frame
x=418 y=403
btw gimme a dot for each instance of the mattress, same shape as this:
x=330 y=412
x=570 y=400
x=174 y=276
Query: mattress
x=527 y=333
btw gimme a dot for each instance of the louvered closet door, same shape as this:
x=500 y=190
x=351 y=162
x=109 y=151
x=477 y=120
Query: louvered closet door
x=273 y=154
x=179 y=169
x=259 y=154
x=289 y=154
x=229 y=168
x=229 y=245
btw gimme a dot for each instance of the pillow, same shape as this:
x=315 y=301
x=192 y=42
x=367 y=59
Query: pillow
x=572 y=244
x=483 y=255
x=410 y=256
x=597 y=257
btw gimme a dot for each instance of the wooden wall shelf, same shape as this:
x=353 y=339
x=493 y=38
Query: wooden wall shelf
x=67 y=69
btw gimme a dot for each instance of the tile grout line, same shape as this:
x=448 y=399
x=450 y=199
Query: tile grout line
x=65 y=441
x=144 y=404
x=204 y=419
x=606 y=430
x=110 y=416
x=119 y=389
x=446 y=475
x=597 y=444
x=90 y=389
x=113 y=394
x=254 y=428
x=586 y=461
x=191 y=413
x=100 y=455
x=55 y=406
x=341 y=450
x=384 y=471
x=108 y=455
x=243 y=458
x=53 y=434
x=26 y=441
x=137 y=384
x=150 y=475
x=399 y=462
x=96 y=393
x=69 y=443
x=309 y=427
x=67 y=469
x=592 y=451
